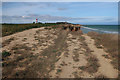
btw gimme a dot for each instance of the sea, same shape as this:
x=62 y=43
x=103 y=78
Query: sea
x=112 y=29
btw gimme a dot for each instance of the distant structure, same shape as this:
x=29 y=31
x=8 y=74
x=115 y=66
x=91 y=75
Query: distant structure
x=36 y=20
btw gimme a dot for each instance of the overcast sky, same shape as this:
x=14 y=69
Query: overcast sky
x=74 y=12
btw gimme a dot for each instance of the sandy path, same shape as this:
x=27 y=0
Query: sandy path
x=105 y=66
x=66 y=66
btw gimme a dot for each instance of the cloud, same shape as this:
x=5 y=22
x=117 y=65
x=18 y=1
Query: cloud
x=31 y=17
x=42 y=17
x=62 y=9
x=48 y=18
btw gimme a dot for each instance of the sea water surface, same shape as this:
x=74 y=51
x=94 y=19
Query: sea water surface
x=101 y=28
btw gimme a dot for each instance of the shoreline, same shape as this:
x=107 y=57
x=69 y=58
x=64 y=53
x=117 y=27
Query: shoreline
x=87 y=29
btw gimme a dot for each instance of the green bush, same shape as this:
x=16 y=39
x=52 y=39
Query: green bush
x=5 y=54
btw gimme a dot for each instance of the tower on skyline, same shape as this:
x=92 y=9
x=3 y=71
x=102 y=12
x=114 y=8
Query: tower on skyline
x=36 y=20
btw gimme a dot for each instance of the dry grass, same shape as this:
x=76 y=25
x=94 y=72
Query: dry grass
x=8 y=29
x=92 y=65
x=76 y=75
x=10 y=65
x=106 y=56
x=100 y=76
x=66 y=54
x=63 y=64
x=6 y=42
x=76 y=57
x=110 y=45
x=58 y=71
x=27 y=65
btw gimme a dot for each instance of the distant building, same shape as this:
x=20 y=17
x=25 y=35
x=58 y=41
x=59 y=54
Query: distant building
x=36 y=20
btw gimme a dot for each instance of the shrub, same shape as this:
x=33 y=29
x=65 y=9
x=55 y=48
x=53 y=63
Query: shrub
x=5 y=54
x=8 y=29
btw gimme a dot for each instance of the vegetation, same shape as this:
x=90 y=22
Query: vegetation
x=76 y=56
x=8 y=29
x=6 y=42
x=92 y=65
x=110 y=45
x=5 y=54
x=59 y=70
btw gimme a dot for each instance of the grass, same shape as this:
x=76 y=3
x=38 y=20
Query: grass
x=63 y=64
x=10 y=64
x=76 y=75
x=54 y=51
x=106 y=56
x=81 y=67
x=8 y=29
x=92 y=64
x=100 y=76
x=59 y=70
x=110 y=43
x=7 y=41
x=35 y=66
x=66 y=54
x=76 y=57
x=21 y=46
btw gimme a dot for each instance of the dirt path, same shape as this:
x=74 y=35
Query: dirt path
x=75 y=60
x=55 y=53
x=105 y=66
x=70 y=59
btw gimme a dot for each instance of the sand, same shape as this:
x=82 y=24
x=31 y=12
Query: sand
x=72 y=55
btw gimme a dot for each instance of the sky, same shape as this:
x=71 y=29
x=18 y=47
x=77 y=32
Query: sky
x=60 y=0
x=73 y=12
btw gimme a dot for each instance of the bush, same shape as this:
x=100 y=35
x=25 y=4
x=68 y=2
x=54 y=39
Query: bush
x=5 y=54
x=8 y=29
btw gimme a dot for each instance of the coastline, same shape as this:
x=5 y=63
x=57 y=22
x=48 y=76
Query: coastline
x=102 y=29
x=31 y=48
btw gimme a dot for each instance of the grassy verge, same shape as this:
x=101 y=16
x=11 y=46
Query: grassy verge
x=8 y=29
x=109 y=42
x=92 y=65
